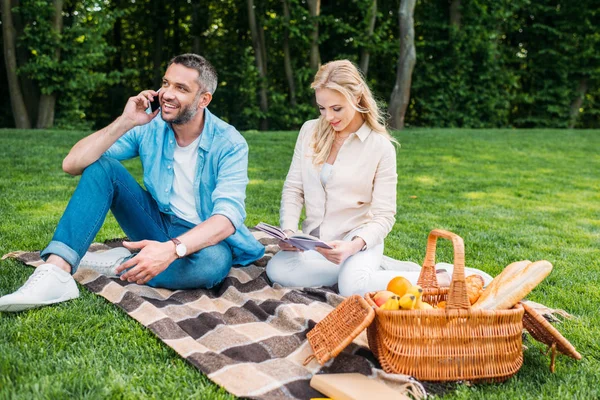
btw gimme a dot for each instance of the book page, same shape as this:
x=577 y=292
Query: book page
x=307 y=244
x=274 y=231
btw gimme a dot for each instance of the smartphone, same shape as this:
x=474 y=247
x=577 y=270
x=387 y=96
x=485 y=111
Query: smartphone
x=154 y=104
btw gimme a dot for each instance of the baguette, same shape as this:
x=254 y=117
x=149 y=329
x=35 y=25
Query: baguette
x=512 y=285
x=507 y=272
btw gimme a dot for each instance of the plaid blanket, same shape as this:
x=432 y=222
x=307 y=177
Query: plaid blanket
x=247 y=336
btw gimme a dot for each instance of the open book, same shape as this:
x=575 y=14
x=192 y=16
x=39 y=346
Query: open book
x=301 y=241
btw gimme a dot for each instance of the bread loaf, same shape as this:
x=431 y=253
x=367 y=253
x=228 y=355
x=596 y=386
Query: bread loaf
x=507 y=272
x=512 y=285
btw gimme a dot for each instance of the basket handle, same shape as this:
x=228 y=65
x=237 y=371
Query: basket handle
x=457 y=294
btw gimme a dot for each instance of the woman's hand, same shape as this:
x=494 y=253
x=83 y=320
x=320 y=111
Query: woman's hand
x=341 y=250
x=286 y=246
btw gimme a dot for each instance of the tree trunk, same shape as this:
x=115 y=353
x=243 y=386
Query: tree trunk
x=287 y=62
x=455 y=14
x=176 y=22
x=117 y=64
x=159 y=40
x=314 y=7
x=406 y=63
x=14 y=89
x=366 y=52
x=196 y=28
x=47 y=106
x=263 y=45
x=576 y=105
x=28 y=86
x=259 y=55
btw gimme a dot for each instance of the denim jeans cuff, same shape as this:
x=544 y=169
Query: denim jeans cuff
x=65 y=252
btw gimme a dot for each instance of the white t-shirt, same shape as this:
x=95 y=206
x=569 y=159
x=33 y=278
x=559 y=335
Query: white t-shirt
x=325 y=173
x=183 y=200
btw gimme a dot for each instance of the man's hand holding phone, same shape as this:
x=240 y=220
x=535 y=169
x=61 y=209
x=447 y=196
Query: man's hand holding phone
x=135 y=109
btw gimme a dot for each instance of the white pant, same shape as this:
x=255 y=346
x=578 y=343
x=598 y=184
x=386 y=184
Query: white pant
x=366 y=271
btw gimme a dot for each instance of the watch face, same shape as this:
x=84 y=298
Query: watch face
x=181 y=249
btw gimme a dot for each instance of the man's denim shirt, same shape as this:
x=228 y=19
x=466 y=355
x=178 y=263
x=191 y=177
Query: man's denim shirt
x=221 y=176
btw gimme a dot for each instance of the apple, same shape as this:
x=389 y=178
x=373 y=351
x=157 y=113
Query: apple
x=382 y=296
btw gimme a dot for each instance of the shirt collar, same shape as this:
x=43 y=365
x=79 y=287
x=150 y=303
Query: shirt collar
x=207 y=136
x=364 y=131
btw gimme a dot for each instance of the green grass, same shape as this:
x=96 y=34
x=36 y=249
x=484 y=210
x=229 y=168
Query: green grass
x=511 y=195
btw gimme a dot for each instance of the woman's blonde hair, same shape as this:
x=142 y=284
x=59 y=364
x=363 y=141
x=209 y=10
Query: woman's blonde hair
x=344 y=77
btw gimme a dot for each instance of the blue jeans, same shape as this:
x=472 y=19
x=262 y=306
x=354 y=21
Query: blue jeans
x=106 y=184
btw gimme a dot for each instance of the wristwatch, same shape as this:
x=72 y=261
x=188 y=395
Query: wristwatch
x=180 y=248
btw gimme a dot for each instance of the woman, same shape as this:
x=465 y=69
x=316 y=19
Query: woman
x=344 y=173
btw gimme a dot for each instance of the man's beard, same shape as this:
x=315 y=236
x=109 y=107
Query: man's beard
x=187 y=113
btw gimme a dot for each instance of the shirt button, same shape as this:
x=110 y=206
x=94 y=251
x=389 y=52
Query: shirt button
x=169 y=167
x=167 y=190
x=171 y=141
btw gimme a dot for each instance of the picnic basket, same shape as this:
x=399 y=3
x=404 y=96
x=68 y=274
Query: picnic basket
x=451 y=344
x=542 y=331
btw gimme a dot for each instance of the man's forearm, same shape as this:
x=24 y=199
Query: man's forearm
x=90 y=148
x=210 y=232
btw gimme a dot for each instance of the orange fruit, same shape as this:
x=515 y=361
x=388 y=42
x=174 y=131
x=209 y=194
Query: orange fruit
x=399 y=285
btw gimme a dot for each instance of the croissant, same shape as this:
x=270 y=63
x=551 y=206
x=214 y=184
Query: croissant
x=474 y=287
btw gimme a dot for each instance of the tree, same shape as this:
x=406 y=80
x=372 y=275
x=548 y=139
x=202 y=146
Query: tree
x=482 y=63
x=16 y=96
x=559 y=61
x=455 y=14
x=366 y=50
x=258 y=42
x=160 y=25
x=45 y=116
x=57 y=52
x=199 y=25
x=314 y=7
x=406 y=63
x=287 y=60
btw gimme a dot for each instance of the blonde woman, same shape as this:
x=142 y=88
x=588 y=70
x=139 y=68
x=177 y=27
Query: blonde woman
x=344 y=174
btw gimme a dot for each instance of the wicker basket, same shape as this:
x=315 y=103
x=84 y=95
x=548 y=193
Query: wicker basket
x=451 y=344
x=543 y=332
x=455 y=343
x=339 y=328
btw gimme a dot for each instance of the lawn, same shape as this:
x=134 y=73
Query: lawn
x=511 y=195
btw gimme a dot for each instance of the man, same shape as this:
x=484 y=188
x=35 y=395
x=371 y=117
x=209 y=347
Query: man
x=187 y=227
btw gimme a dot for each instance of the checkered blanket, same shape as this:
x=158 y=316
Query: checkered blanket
x=247 y=336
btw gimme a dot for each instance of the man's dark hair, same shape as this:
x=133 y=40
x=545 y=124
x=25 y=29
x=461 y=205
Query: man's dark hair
x=207 y=76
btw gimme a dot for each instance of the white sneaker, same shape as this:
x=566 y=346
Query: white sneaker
x=105 y=262
x=47 y=285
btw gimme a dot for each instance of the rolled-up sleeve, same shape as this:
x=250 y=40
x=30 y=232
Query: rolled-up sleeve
x=383 y=205
x=230 y=192
x=126 y=147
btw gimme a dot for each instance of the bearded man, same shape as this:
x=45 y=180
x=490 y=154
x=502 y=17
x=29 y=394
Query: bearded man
x=186 y=226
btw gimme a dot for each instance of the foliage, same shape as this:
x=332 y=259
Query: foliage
x=68 y=64
x=509 y=64
x=557 y=46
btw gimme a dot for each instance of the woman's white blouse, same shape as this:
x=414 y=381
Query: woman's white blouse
x=360 y=194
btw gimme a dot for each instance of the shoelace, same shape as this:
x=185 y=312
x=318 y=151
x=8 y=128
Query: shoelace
x=33 y=279
x=109 y=263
